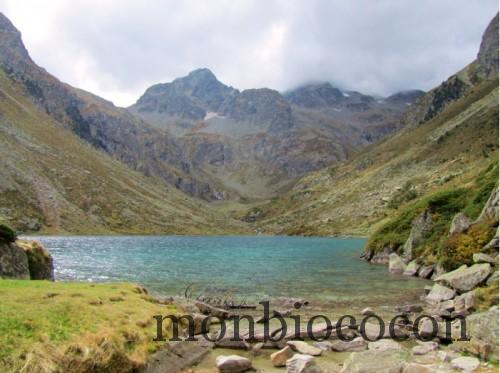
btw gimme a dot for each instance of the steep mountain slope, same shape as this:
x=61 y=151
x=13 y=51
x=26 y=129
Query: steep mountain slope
x=451 y=136
x=257 y=142
x=52 y=180
x=99 y=122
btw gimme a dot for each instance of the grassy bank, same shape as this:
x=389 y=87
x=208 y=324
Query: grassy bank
x=77 y=327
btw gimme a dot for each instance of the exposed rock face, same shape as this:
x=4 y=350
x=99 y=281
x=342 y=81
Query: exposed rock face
x=466 y=278
x=396 y=264
x=41 y=266
x=233 y=364
x=490 y=209
x=419 y=231
x=460 y=223
x=487 y=58
x=13 y=262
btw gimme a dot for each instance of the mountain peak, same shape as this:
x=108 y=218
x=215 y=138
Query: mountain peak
x=202 y=73
x=487 y=57
x=13 y=53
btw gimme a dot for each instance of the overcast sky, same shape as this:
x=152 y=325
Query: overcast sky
x=117 y=48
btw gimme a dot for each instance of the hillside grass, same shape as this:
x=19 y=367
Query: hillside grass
x=443 y=205
x=71 y=325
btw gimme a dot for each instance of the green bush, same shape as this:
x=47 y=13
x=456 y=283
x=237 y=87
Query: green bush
x=7 y=235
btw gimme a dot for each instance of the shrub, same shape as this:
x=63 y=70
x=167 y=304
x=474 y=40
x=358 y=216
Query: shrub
x=7 y=235
x=459 y=248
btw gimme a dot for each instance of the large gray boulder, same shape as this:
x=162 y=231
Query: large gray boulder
x=484 y=326
x=373 y=361
x=465 y=278
x=396 y=264
x=13 y=262
x=460 y=223
x=421 y=228
x=439 y=293
x=304 y=348
x=357 y=344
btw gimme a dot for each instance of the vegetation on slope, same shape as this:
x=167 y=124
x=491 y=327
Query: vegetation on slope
x=443 y=205
x=76 y=327
x=52 y=180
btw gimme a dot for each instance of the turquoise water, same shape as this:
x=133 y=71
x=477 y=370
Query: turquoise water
x=254 y=268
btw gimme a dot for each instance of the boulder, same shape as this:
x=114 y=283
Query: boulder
x=381 y=257
x=425 y=271
x=420 y=229
x=424 y=347
x=465 y=363
x=384 y=345
x=233 y=364
x=438 y=271
x=304 y=348
x=390 y=361
x=460 y=223
x=493 y=279
x=439 y=293
x=367 y=312
x=199 y=327
x=447 y=305
x=13 y=262
x=465 y=278
x=299 y=363
x=372 y=331
x=484 y=326
x=279 y=358
x=465 y=301
x=483 y=258
x=396 y=264
x=357 y=344
x=412 y=268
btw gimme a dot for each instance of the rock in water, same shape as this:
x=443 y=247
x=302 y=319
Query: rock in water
x=460 y=223
x=279 y=358
x=300 y=363
x=465 y=364
x=396 y=264
x=304 y=348
x=465 y=278
x=439 y=293
x=412 y=268
x=233 y=364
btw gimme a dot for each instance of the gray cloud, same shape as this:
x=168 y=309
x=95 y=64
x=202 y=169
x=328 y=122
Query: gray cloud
x=118 y=48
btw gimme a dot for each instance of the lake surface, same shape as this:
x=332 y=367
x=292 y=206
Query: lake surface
x=326 y=270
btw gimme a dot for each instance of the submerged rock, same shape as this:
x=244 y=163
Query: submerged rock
x=233 y=364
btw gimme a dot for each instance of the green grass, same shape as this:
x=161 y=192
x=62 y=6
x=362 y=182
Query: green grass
x=45 y=322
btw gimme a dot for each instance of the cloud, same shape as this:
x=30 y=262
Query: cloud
x=117 y=49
